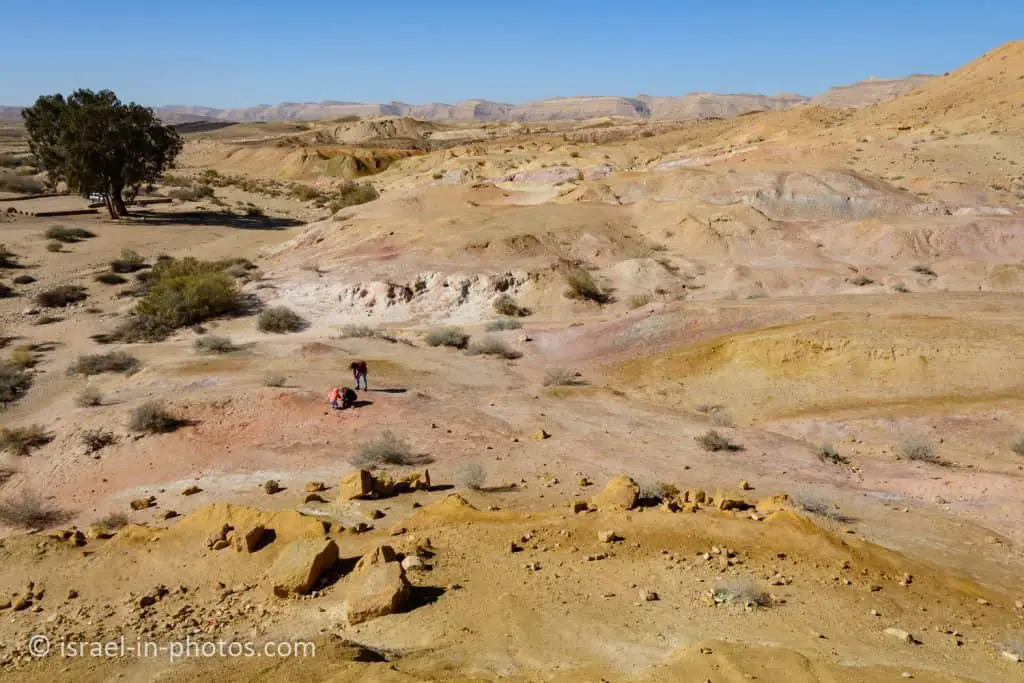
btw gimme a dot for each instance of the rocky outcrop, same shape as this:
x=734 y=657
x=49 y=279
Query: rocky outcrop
x=621 y=493
x=300 y=565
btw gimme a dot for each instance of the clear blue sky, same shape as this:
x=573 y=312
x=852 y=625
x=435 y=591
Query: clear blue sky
x=229 y=53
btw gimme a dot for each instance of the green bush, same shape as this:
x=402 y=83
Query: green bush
x=68 y=235
x=95 y=364
x=560 y=377
x=23 y=280
x=8 y=259
x=195 y=193
x=97 y=439
x=582 y=286
x=139 y=328
x=279 y=319
x=62 y=296
x=354 y=331
x=352 y=194
x=447 y=336
x=1018 y=446
x=187 y=292
x=89 y=398
x=129 y=262
x=828 y=453
x=55 y=246
x=24 y=440
x=6 y=292
x=919 y=450
x=274 y=380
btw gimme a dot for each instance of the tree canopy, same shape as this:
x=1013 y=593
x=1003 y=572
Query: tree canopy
x=93 y=142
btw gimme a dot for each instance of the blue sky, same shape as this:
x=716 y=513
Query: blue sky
x=230 y=53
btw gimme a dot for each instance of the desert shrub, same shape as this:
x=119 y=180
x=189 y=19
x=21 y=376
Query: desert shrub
x=639 y=300
x=8 y=259
x=827 y=453
x=29 y=511
x=55 y=246
x=861 y=281
x=113 y=521
x=387 y=449
x=254 y=212
x=6 y=472
x=62 y=296
x=492 y=346
x=22 y=357
x=195 y=193
x=14 y=382
x=447 y=336
x=582 y=286
x=187 y=292
x=98 y=363
x=68 y=235
x=721 y=418
x=20 y=184
x=352 y=194
x=90 y=397
x=211 y=343
x=471 y=476
x=111 y=279
x=560 y=377
x=714 y=442
x=746 y=592
x=502 y=324
x=507 y=306
x=279 y=319
x=923 y=270
x=815 y=504
x=6 y=292
x=129 y=262
x=355 y=331
x=24 y=440
x=1018 y=446
x=23 y=280
x=919 y=450
x=152 y=417
x=274 y=380
x=97 y=439
x=305 y=193
x=900 y=288
x=138 y=328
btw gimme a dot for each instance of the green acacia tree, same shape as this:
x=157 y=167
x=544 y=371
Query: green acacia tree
x=93 y=142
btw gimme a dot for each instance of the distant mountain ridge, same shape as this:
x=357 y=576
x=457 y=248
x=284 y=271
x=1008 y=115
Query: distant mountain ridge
x=691 y=105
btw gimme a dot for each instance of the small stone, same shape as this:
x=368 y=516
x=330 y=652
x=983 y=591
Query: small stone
x=514 y=548
x=608 y=537
x=579 y=506
x=745 y=485
x=875 y=613
x=72 y=594
x=170 y=514
x=907 y=674
x=413 y=563
x=147 y=601
x=191 y=490
x=143 y=503
x=220 y=544
x=540 y=435
x=271 y=486
x=648 y=596
x=313 y=498
x=374 y=514
x=900 y=634
x=983 y=602
x=1012 y=656
x=314 y=486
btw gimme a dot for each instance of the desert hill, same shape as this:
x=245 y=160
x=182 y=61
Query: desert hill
x=870 y=91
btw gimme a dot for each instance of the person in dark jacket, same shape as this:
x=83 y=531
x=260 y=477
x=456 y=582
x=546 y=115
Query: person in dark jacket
x=358 y=368
x=348 y=398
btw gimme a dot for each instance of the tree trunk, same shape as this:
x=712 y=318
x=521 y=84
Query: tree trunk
x=110 y=206
x=115 y=196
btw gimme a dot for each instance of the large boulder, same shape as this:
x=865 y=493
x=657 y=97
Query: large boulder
x=385 y=484
x=358 y=484
x=375 y=591
x=248 y=539
x=300 y=564
x=620 y=493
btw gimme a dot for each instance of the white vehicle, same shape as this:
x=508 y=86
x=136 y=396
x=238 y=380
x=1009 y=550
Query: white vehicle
x=97 y=197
